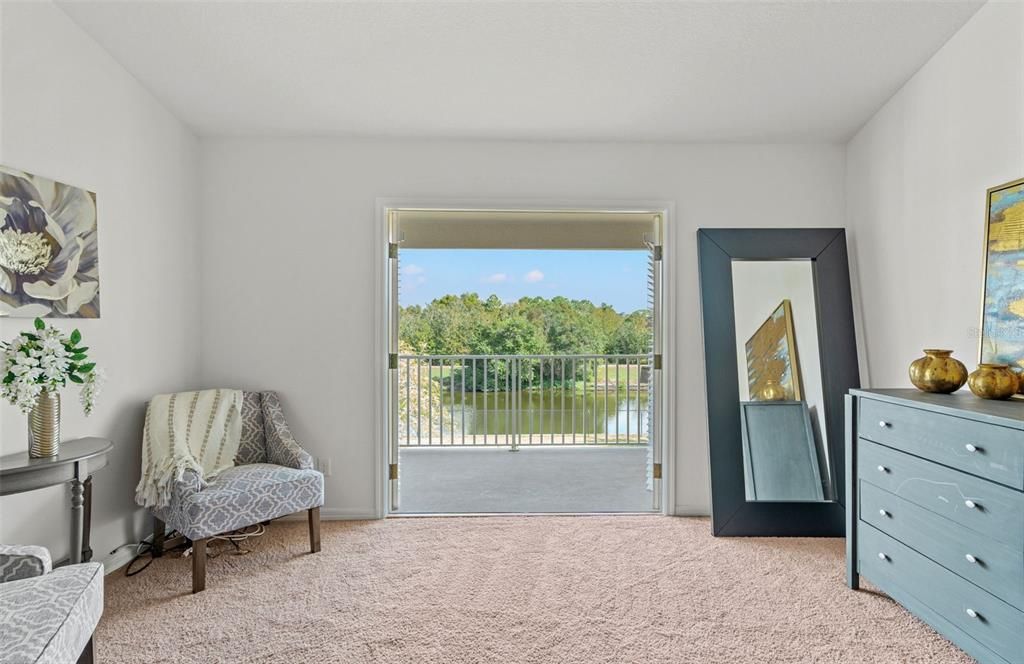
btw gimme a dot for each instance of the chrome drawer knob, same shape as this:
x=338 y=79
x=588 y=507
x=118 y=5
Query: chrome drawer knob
x=971 y=447
x=882 y=556
x=971 y=559
x=972 y=613
x=971 y=504
x=883 y=469
x=884 y=513
x=883 y=423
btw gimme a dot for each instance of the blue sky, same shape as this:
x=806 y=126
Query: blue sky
x=617 y=278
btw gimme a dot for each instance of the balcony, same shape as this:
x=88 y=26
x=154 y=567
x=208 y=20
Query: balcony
x=523 y=433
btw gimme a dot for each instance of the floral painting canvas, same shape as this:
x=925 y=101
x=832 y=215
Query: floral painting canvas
x=49 y=264
x=1002 y=325
x=771 y=355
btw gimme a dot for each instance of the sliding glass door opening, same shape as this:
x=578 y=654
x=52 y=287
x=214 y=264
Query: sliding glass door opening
x=524 y=378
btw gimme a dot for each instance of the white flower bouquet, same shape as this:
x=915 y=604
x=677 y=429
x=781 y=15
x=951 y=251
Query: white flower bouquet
x=46 y=360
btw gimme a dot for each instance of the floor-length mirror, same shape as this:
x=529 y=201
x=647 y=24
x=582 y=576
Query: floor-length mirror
x=780 y=354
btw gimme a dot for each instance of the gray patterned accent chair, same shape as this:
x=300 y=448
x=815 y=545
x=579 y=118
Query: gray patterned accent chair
x=272 y=477
x=47 y=616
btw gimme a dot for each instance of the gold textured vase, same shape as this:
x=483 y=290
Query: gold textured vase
x=44 y=426
x=771 y=391
x=993 y=381
x=938 y=372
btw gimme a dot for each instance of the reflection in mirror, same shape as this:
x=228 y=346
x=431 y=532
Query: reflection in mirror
x=781 y=399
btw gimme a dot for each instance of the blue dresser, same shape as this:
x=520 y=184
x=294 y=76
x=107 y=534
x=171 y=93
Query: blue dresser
x=935 y=512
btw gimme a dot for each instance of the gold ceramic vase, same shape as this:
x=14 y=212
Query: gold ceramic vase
x=993 y=381
x=772 y=391
x=44 y=426
x=938 y=372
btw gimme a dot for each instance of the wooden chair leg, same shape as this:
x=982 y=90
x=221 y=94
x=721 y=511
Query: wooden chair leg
x=159 y=531
x=87 y=654
x=314 y=529
x=198 y=565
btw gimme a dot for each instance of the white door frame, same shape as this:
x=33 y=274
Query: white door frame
x=382 y=323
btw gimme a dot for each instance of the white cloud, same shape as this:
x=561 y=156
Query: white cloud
x=496 y=278
x=412 y=269
x=412 y=283
x=533 y=276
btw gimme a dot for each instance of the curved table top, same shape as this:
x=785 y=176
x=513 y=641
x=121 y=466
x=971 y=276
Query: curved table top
x=71 y=451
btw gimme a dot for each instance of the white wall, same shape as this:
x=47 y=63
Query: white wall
x=287 y=227
x=71 y=113
x=288 y=263
x=916 y=179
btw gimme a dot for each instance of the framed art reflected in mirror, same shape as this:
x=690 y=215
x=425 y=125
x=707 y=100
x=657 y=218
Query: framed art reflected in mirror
x=772 y=359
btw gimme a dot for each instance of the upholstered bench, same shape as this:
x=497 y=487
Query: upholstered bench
x=48 y=616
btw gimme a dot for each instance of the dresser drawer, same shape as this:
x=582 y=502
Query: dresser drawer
x=982 y=506
x=986 y=450
x=985 y=618
x=992 y=565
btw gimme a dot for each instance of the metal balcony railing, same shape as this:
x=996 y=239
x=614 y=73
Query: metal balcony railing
x=514 y=400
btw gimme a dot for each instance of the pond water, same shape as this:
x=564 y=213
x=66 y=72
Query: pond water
x=595 y=418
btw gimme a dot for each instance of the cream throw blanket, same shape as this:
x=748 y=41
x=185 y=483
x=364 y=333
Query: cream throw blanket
x=187 y=430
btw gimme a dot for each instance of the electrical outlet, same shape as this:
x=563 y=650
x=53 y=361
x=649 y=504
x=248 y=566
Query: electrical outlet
x=324 y=465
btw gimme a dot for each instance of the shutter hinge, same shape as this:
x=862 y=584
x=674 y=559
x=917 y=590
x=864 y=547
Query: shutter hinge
x=392 y=471
x=656 y=471
x=392 y=360
x=656 y=250
x=657 y=362
x=392 y=250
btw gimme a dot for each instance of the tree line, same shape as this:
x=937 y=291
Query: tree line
x=469 y=325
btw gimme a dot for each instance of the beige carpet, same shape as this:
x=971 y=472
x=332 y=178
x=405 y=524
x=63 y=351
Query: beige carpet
x=512 y=589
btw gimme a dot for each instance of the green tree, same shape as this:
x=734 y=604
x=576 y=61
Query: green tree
x=414 y=332
x=511 y=335
x=467 y=324
x=607 y=319
x=452 y=324
x=632 y=337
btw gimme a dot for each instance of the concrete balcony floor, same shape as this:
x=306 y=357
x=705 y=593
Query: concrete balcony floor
x=442 y=480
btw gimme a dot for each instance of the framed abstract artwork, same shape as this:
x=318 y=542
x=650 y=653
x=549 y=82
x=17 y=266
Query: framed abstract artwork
x=772 y=356
x=49 y=261
x=1002 y=317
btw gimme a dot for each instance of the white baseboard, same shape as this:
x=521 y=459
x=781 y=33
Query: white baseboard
x=691 y=510
x=336 y=514
x=121 y=556
x=343 y=514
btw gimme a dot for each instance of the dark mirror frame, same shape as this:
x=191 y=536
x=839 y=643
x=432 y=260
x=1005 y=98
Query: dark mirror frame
x=717 y=248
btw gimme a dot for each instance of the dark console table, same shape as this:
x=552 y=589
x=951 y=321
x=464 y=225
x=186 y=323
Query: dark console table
x=77 y=461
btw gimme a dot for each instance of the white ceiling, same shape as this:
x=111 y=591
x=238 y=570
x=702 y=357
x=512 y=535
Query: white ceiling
x=679 y=71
